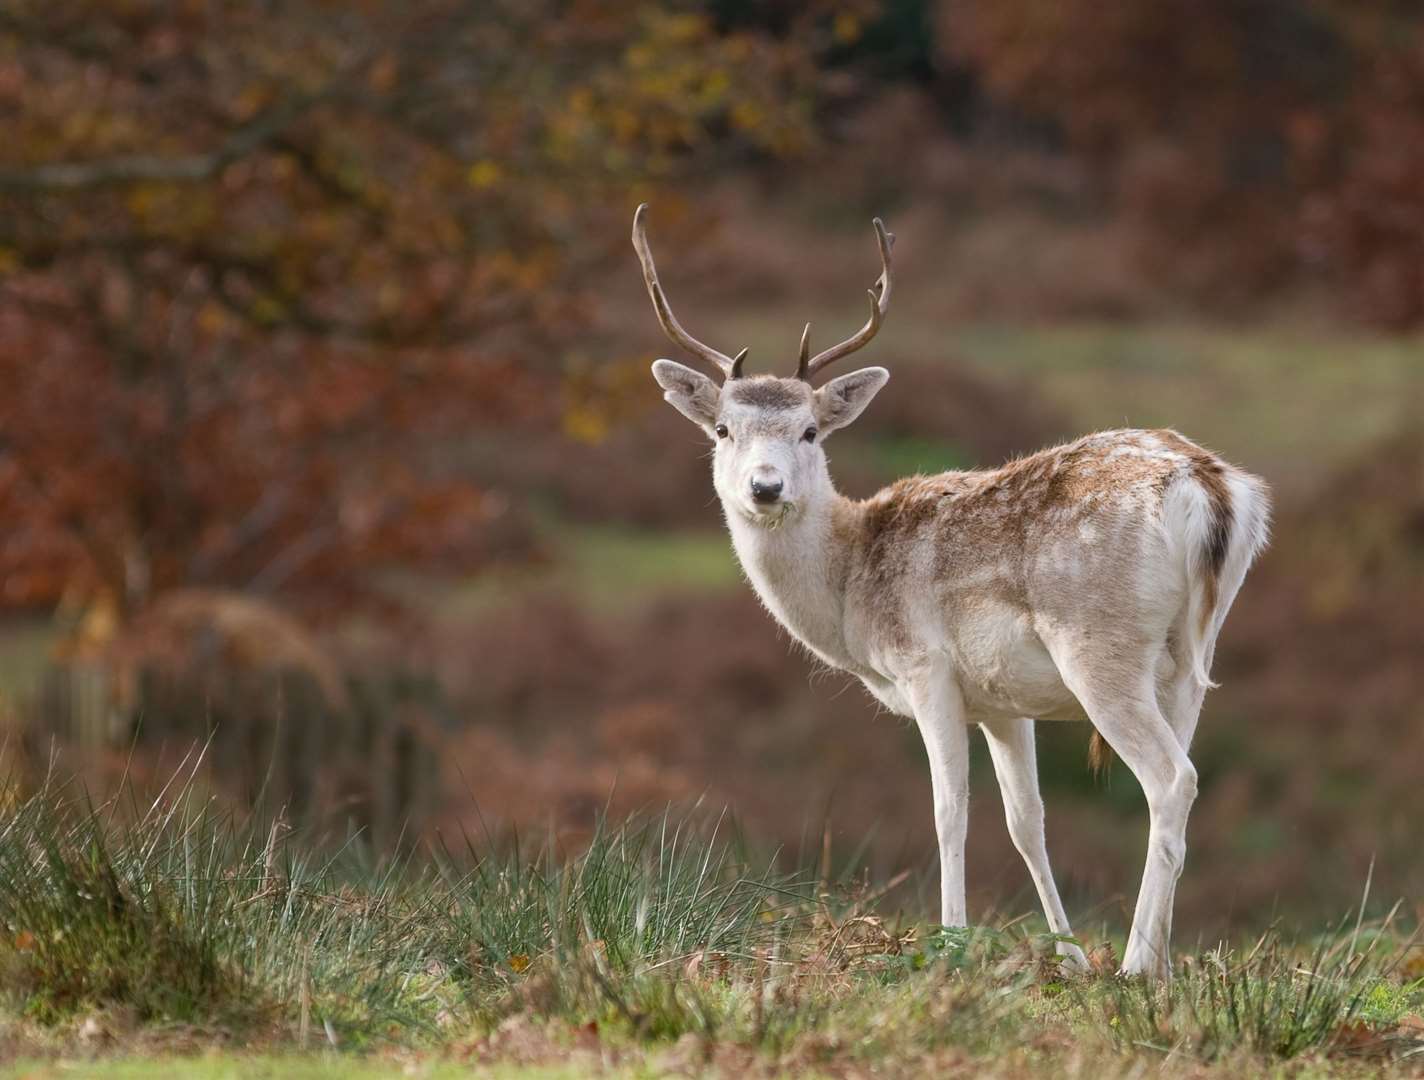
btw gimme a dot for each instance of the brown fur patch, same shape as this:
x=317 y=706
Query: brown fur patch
x=958 y=515
x=769 y=392
x=987 y=527
x=1071 y=475
x=889 y=519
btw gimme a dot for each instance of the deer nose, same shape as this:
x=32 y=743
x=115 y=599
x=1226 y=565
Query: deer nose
x=766 y=491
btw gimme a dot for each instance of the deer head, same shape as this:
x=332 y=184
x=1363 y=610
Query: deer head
x=767 y=431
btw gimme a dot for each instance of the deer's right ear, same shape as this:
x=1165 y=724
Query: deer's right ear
x=844 y=398
x=689 y=392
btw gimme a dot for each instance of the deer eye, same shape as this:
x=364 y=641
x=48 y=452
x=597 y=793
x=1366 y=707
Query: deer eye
x=721 y=430
x=810 y=435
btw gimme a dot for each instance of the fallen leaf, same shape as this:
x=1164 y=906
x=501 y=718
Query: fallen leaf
x=1357 y=1037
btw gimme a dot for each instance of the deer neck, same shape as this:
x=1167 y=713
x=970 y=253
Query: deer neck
x=799 y=570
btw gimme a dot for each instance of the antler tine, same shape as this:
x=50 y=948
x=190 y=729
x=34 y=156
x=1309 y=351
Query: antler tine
x=805 y=356
x=878 y=306
x=729 y=368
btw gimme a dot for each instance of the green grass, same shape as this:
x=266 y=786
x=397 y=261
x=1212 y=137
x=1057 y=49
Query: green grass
x=906 y=456
x=1288 y=403
x=137 y=933
x=608 y=567
x=176 y=913
x=610 y=561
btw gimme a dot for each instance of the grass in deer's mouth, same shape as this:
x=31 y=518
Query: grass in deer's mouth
x=662 y=937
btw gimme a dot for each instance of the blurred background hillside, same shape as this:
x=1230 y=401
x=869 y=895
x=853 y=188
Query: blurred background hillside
x=327 y=437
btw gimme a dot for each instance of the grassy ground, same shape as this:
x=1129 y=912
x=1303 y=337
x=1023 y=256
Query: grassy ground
x=170 y=940
x=326 y=1066
x=1289 y=403
x=603 y=566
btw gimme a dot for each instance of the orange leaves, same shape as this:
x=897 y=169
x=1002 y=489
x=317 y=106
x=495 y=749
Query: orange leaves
x=1412 y=968
x=485 y=173
x=847 y=28
x=252 y=100
x=256 y=329
x=672 y=89
x=597 y=397
x=384 y=74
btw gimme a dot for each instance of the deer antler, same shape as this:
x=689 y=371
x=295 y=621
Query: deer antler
x=807 y=369
x=731 y=368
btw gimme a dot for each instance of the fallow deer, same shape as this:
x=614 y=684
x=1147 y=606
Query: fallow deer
x=1088 y=581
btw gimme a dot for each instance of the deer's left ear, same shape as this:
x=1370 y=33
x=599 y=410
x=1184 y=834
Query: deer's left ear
x=689 y=392
x=843 y=399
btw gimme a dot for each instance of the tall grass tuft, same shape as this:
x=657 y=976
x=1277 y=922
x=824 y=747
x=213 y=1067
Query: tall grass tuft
x=643 y=891
x=1275 y=1002
x=88 y=922
x=180 y=911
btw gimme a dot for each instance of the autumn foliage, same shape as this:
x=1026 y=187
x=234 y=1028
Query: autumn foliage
x=261 y=268
x=326 y=427
x=1255 y=145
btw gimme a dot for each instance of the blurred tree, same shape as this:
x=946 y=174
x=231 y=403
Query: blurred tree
x=1250 y=139
x=258 y=263
x=1361 y=161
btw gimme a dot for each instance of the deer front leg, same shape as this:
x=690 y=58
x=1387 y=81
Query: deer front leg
x=939 y=714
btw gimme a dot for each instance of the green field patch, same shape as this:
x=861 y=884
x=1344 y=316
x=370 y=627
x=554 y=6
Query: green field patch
x=610 y=567
x=607 y=561
x=1286 y=403
x=907 y=455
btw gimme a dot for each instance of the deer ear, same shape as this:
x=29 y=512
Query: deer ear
x=689 y=392
x=843 y=399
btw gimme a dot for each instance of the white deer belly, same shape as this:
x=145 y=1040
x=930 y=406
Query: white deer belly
x=1004 y=670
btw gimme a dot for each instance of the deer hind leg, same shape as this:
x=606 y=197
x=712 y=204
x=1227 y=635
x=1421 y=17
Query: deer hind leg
x=1180 y=694
x=939 y=714
x=1121 y=700
x=1011 y=747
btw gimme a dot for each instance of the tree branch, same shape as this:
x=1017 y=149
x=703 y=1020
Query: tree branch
x=138 y=168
